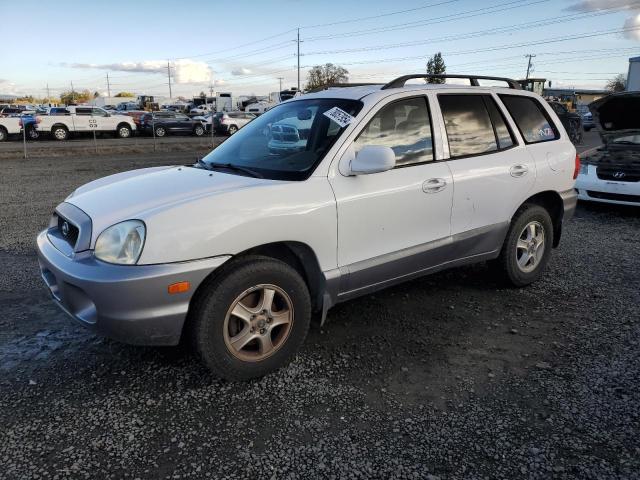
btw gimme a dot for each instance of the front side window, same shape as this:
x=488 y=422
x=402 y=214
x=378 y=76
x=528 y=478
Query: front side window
x=98 y=112
x=405 y=127
x=468 y=125
x=532 y=121
x=287 y=142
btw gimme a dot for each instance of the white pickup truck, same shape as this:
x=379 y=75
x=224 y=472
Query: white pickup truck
x=9 y=126
x=79 y=119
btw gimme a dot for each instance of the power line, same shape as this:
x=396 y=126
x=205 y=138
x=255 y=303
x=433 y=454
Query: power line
x=443 y=19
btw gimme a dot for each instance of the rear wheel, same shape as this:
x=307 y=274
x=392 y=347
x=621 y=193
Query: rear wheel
x=60 y=132
x=160 y=131
x=251 y=319
x=232 y=129
x=32 y=133
x=3 y=134
x=527 y=248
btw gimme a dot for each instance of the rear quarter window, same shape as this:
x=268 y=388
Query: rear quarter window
x=532 y=120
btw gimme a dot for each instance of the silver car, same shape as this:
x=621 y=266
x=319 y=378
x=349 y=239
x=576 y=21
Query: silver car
x=231 y=122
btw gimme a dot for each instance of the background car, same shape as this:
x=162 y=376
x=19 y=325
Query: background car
x=231 y=122
x=201 y=109
x=572 y=122
x=165 y=122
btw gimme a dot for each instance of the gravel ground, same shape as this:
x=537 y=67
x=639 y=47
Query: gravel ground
x=450 y=376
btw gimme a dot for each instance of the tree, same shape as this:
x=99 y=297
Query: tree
x=70 y=97
x=617 y=83
x=322 y=75
x=124 y=94
x=436 y=66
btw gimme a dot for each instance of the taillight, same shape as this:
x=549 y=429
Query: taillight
x=576 y=169
x=20 y=124
x=38 y=119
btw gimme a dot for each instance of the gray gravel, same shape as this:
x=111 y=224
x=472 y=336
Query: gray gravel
x=450 y=376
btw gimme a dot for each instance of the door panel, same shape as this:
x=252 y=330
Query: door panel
x=385 y=218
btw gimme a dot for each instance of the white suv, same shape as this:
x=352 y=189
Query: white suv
x=240 y=250
x=81 y=119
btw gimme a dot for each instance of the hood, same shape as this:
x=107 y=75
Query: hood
x=617 y=115
x=139 y=194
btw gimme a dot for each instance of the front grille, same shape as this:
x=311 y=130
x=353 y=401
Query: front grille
x=618 y=174
x=69 y=233
x=614 y=196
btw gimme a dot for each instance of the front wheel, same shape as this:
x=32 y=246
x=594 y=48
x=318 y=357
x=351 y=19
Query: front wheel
x=60 y=133
x=3 y=134
x=527 y=248
x=124 y=131
x=160 y=131
x=251 y=319
x=198 y=131
x=232 y=129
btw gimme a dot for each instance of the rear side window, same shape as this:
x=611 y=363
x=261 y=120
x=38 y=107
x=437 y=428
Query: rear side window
x=468 y=125
x=503 y=134
x=405 y=126
x=532 y=121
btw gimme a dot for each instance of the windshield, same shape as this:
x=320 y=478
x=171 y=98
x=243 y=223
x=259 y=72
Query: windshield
x=287 y=142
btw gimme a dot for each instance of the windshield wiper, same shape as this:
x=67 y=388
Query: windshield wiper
x=203 y=164
x=238 y=168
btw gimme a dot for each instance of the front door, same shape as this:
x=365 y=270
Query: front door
x=390 y=224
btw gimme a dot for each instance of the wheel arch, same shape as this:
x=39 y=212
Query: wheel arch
x=552 y=202
x=56 y=125
x=124 y=124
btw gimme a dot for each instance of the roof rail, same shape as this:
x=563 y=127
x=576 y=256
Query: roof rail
x=341 y=85
x=473 y=79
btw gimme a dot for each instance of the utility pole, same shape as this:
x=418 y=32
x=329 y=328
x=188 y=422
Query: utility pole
x=529 y=64
x=48 y=94
x=169 y=75
x=108 y=86
x=280 y=78
x=298 y=60
x=73 y=93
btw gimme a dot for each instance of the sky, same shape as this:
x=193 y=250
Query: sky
x=244 y=46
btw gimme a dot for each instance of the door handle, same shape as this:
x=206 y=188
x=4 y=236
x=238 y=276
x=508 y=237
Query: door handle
x=434 y=185
x=518 y=170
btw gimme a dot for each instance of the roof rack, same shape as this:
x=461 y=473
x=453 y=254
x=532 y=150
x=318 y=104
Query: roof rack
x=473 y=79
x=341 y=85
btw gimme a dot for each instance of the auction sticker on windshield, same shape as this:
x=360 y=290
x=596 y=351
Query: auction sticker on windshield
x=339 y=116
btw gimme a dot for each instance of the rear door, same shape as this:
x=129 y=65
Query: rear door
x=183 y=123
x=83 y=120
x=492 y=171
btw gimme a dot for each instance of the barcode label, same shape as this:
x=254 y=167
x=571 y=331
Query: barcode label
x=339 y=116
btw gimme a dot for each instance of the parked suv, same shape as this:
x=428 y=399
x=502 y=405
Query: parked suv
x=231 y=122
x=238 y=251
x=165 y=122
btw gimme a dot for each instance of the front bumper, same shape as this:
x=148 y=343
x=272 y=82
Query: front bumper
x=129 y=303
x=593 y=189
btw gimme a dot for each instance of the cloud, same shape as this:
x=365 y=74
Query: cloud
x=219 y=83
x=241 y=71
x=593 y=5
x=630 y=5
x=633 y=22
x=182 y=71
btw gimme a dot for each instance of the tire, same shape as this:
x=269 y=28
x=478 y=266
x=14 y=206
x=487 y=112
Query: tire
x=198 y=131
x=160 y=131
x=3 y=135
x=123 y=131
x=232 y=129
x=60 y=132
x=512 y=262
x=587 y=129
x=32 y=133
x=214 y=329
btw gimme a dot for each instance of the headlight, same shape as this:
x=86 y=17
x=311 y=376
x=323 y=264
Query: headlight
x=121 y=243
x=584 y=169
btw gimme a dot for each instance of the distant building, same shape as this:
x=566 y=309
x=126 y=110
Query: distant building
x=7 y=98
x=633 y=77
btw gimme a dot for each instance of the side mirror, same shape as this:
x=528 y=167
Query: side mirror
x=370 y=159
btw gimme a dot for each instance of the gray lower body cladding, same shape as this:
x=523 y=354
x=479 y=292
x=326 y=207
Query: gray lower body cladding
x=129 y=303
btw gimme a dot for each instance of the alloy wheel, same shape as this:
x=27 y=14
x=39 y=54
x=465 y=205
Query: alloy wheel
x=530 y=246
x=258 y=323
